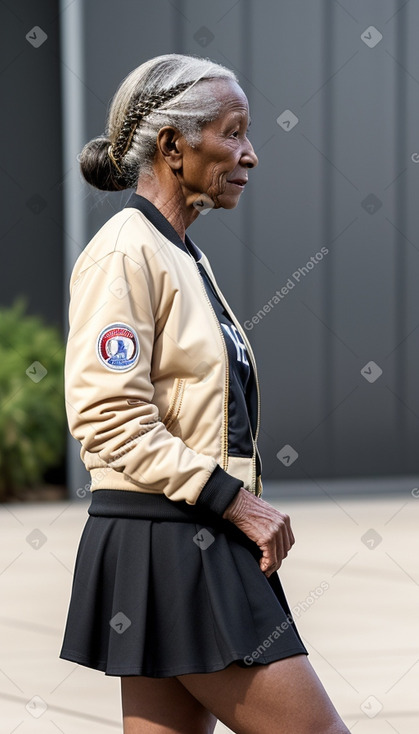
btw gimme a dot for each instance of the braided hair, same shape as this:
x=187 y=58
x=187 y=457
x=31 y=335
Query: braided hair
x=139 y=109
x=113 y=162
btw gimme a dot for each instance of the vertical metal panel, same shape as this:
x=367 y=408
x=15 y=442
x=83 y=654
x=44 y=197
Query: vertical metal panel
x=74 y=211
x=31 y=169
x=178 y=23
x=247 y=212
x=400 y=244
x=287 y=66
x=407 y=121
x=326 y=200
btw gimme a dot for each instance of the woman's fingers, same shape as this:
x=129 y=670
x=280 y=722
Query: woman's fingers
x=277 y=546
x=271 y=560
x=287 y=521
x=266 y=526
x=266 y=560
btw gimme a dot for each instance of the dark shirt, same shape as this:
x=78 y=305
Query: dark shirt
x=240 y=369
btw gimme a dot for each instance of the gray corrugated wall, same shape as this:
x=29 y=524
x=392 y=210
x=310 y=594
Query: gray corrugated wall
x=342 y=178
x=345 y=177
x=31 y=225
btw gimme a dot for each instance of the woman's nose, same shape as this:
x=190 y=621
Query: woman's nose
x=249 y=157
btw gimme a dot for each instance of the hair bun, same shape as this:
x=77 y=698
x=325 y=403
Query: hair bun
x=98 y=169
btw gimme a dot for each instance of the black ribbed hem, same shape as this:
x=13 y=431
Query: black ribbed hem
x=147 y=506
x=220 y=489
x=216 y=495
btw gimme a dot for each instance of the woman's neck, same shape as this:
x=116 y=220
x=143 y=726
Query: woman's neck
x=167 y=196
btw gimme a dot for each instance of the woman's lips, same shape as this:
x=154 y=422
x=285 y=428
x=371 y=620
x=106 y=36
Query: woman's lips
x=240 y=183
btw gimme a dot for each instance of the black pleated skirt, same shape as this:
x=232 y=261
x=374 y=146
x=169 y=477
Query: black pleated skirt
x=161 y=589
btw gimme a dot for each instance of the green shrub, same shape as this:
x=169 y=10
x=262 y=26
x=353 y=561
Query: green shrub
x=32 y=408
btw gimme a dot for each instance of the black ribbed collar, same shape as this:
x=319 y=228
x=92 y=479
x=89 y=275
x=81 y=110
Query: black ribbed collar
x=156 y=218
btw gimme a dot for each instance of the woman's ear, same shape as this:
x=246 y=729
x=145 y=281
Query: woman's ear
x=169 y=143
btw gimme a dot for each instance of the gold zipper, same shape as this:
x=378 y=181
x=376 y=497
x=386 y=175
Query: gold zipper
x=253 y=457
x=227 y=373
x=252 y=358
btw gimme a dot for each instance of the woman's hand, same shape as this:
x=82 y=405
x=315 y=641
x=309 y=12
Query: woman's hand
x=267 y=527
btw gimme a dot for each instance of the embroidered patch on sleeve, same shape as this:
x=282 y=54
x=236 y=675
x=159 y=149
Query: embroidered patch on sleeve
x=117 y=347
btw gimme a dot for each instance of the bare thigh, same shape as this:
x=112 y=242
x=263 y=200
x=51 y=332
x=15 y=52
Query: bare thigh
x=282 y=697
x=162 y=706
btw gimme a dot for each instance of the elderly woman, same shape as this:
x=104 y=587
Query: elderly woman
x=175 y=587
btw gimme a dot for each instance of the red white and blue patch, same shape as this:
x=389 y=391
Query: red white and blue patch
x=117 y=347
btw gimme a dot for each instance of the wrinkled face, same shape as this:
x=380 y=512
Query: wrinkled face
x=218 y=166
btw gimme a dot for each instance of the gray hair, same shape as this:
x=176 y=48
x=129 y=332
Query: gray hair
x=166 y=90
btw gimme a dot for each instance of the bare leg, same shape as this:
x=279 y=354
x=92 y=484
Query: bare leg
x=162 y=706
x=282 y=697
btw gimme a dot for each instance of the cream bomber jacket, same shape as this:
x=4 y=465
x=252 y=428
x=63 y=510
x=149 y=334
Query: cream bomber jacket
x=146 y=370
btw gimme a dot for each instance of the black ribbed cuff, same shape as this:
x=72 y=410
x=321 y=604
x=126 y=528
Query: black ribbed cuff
x=220 y=489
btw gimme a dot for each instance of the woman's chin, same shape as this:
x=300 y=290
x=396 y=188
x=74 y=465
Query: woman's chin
x=229 y=201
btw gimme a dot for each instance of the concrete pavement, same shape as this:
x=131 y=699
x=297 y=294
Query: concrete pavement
x=352 y=580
